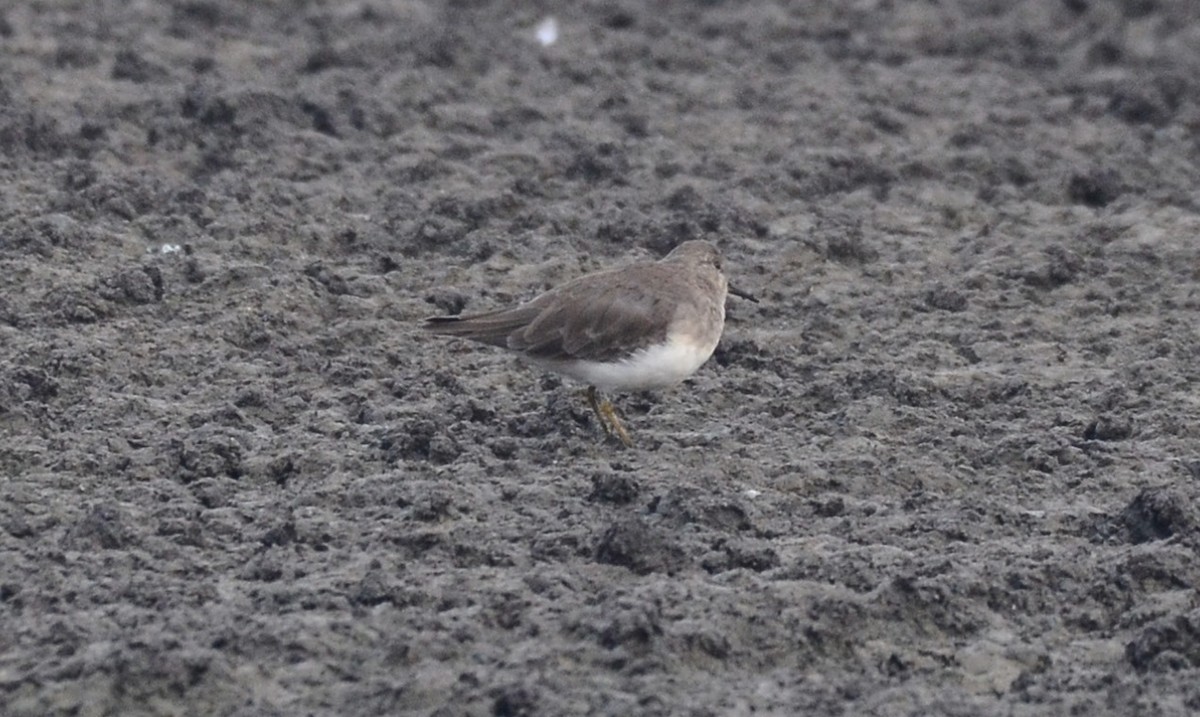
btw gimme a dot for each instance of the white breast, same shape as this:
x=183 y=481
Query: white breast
x=656 y=367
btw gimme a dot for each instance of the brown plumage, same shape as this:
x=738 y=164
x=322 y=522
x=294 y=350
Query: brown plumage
x=646 y=325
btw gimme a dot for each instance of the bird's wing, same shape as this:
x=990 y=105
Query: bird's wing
x=596 y=318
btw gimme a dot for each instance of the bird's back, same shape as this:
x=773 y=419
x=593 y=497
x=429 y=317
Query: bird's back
x=603 y=316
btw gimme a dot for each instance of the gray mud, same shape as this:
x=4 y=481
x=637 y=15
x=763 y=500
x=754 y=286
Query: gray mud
x=949 y=465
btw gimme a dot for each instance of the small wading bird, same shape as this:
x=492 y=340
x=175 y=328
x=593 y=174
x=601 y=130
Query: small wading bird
x=636 y=327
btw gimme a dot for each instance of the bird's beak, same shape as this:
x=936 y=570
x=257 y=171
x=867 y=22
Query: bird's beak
x=742 y=294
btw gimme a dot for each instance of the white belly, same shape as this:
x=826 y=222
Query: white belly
x=656 y=367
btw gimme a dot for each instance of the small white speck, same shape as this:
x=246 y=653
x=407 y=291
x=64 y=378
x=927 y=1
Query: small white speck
x=751 y=493
x=547 y=32
x=168 y=249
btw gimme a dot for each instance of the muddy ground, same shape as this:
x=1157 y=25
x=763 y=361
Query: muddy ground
x=949 y=465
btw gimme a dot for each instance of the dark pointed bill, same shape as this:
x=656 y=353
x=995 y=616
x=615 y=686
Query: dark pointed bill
x=742 y=294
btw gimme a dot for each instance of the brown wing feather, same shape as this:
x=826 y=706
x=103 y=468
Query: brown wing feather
x=596 y=318
x=599 y=317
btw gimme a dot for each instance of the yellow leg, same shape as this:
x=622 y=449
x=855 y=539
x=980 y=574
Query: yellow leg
x=617 y=427
x=607 y=415
x=591 y=397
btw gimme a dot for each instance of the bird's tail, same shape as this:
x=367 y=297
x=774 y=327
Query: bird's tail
x=492 y=328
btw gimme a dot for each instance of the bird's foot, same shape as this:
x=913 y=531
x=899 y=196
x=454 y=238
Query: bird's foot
x=606 y=413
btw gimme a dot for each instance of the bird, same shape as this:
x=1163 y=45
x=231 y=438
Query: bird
x=646 y=325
